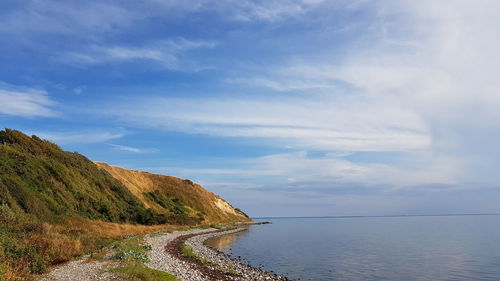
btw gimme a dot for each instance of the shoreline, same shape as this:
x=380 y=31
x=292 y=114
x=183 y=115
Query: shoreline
x=206 y=263
x=167 y=255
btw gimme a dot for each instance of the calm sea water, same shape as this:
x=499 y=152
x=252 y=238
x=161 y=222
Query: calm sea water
x=373 y=248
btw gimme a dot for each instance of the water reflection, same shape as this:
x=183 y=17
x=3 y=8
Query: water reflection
x=224 y=242
x=459 y=248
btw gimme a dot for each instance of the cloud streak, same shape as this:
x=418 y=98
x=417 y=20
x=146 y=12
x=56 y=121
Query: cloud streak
x=348 y=125
x=78 y=137
x=26 y=102
x=418 y=83
x=167 y=53
x=130 y=149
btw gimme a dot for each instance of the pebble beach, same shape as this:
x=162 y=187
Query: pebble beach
x=166 y=255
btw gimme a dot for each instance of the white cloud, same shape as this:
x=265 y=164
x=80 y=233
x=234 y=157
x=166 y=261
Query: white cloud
x=349 y=125
x=268 y=10
x=243 y=10
x=83 y=19
x=78 y=137
x=25 y=102
x=94 y=19
x=424 y=82
x=168 y=53
x=130 y=149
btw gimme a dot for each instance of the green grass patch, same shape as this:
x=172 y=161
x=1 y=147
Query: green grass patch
x=138 y=272
x=131 y=249
x=134 y=243
x=230 y=271
x=133 y=254
x=188 y=253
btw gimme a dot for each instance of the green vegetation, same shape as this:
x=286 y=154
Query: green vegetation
x=131 y=249
x=57 y=205
x=28 y=245
x=48 y=198
x=138 y=272
x=38 y=178
x=133 y=254
x=188 y=253
x=241 y=212
x=230 y=270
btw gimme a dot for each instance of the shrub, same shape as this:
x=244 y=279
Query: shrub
x=188 y=252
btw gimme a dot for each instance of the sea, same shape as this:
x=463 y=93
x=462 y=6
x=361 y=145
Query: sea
x=398 y=248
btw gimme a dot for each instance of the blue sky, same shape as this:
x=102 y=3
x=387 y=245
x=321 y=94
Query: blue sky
x=284 y=108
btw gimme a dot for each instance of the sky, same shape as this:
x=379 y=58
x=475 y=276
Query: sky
x=282 y=107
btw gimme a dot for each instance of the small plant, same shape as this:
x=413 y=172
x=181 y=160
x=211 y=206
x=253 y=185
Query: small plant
x=131 y=249
x=138 y=272
x=230 y=270
x=131 y=255
x=188 y=253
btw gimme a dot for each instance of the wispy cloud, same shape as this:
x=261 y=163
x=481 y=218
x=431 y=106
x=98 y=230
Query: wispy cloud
x=130 y=149
x=82 y=19
x=350 y=125
x=295 y=84
x=300 y=169
x=167 y=53
x=424 y=84
x=79 y=137
x=26 y=102
x=94 y=19
x=268 y=10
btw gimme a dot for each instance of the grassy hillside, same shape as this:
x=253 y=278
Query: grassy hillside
x=55 y=205
x=174 y=195
x=38 y=178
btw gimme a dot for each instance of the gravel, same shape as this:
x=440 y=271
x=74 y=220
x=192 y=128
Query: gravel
x=222 y=262
x=83 y=270
x=184 y=268
x=163 y=261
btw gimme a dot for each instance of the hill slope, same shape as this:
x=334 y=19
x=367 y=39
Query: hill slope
x=38 y=178
x=55 y=205
x=167 y=194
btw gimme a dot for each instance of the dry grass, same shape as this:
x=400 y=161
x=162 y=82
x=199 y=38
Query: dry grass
x=214 y=208
x=46 y=245
x=113 y=230
x=137 y=182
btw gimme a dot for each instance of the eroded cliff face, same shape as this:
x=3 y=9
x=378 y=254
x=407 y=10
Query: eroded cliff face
x=174 y=195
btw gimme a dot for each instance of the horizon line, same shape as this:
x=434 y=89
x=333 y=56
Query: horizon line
x=378 y=216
